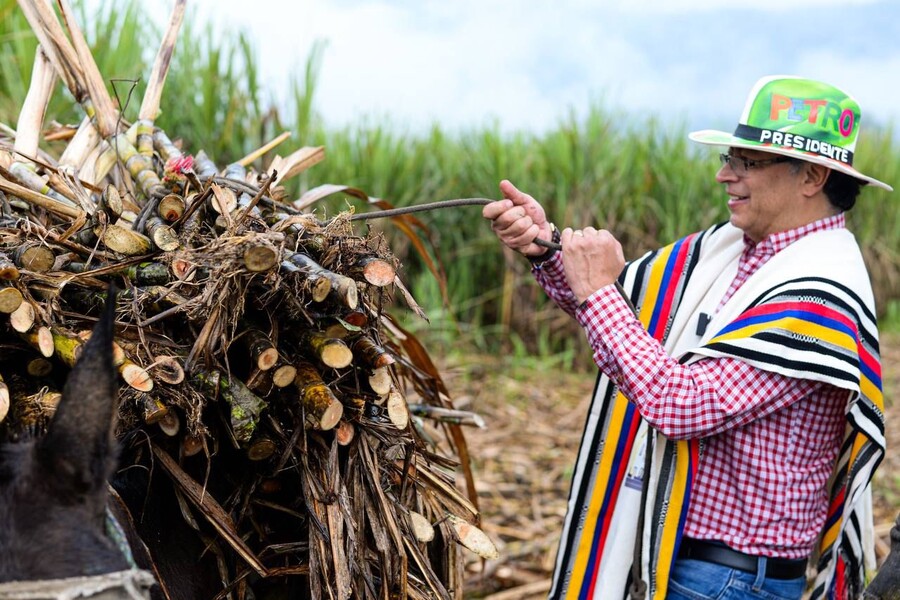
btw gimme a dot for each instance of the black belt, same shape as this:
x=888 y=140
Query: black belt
x=720 y=554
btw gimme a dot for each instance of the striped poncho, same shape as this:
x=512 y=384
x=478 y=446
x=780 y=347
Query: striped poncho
x=807 y=313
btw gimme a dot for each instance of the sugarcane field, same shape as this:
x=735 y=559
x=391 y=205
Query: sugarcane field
x=301 y=408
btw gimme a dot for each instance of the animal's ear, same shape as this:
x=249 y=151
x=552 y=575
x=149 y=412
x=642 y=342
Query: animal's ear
x=80 y=445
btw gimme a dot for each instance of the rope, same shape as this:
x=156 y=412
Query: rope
x=133 y=584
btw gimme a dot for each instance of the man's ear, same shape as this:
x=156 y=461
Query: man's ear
x=814 y=178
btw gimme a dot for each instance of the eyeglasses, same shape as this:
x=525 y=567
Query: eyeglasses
x=741 y=165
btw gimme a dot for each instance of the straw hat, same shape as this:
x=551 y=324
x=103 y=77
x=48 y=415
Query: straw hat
x=801 y=118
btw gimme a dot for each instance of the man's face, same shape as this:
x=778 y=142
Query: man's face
x=763 y=199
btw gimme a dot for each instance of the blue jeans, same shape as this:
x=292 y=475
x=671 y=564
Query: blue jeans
x=701 y=580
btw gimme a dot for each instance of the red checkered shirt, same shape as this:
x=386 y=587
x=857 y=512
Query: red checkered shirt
x=769 y=441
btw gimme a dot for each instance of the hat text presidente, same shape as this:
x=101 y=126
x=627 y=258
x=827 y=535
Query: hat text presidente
x=799 y=109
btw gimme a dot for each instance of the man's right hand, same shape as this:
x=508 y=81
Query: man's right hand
x=518 y=220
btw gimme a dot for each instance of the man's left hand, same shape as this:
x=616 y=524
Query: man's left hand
x=592 y=259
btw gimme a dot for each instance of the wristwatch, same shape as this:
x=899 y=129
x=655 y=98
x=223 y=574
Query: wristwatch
x=538 y=260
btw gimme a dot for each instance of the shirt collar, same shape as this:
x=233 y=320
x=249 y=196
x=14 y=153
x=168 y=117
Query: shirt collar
x=776 y=242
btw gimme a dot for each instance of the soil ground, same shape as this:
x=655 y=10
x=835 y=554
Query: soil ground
x=524 y=456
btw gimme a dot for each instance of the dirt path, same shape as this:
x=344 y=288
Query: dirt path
x=524 y=457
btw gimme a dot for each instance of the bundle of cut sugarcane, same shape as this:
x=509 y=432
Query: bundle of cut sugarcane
x=252 y=340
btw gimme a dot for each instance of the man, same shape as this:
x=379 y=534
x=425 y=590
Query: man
x=738 y=416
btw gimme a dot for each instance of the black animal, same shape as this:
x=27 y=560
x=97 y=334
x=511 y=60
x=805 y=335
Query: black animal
x=55 y=497
x=53 y=490
x=886 y=585
x=54 y=494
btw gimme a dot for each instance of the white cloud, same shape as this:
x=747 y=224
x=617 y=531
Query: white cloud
x=465 y=62
x=686 y=6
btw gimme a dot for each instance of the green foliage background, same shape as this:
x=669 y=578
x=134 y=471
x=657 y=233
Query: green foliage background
x=640 y=178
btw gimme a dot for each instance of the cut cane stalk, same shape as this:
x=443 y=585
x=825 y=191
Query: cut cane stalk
x=8 y=269
x=162 y=235
x=150 y=104
x=380 y=381
x=41 y=200
x=317 y=399
x=344 y=290
x=260 y=348
x=26 y=174
x=447 y=415
x=375 y=271
x=204 y=166
x=135 y=376
x=145 y=274
x=123 y=240
x=473 y=538
x=22 y=319
x=332 y=352
x=10 y=299
x=344 y=432
x=171 y=207
x=261 y=448
x=316 y=280
x=283 y=375
x=32 y=256
x=260 y=258
x=41 y=339
x=39 y=367
x=167 y=369
x=4 y=399
x=152 y=409
x=192 y=445
x=397 y=411
x=370 y=354
x=422 y=528
x=259 y=382
x=224 y=200
x=170 y=423
x=244 y=405
x=162 y=144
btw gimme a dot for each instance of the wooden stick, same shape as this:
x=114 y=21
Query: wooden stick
x=150 y=104
x=105 y=111
x=260 y=151
x=447 y=415
x=37 y=199
x=55 y=44
x=34 y=107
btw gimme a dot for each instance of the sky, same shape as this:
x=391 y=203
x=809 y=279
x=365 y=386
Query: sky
x=526 y=65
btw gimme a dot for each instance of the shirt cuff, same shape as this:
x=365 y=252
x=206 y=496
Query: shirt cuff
x=552 y=267
x=604 y=315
